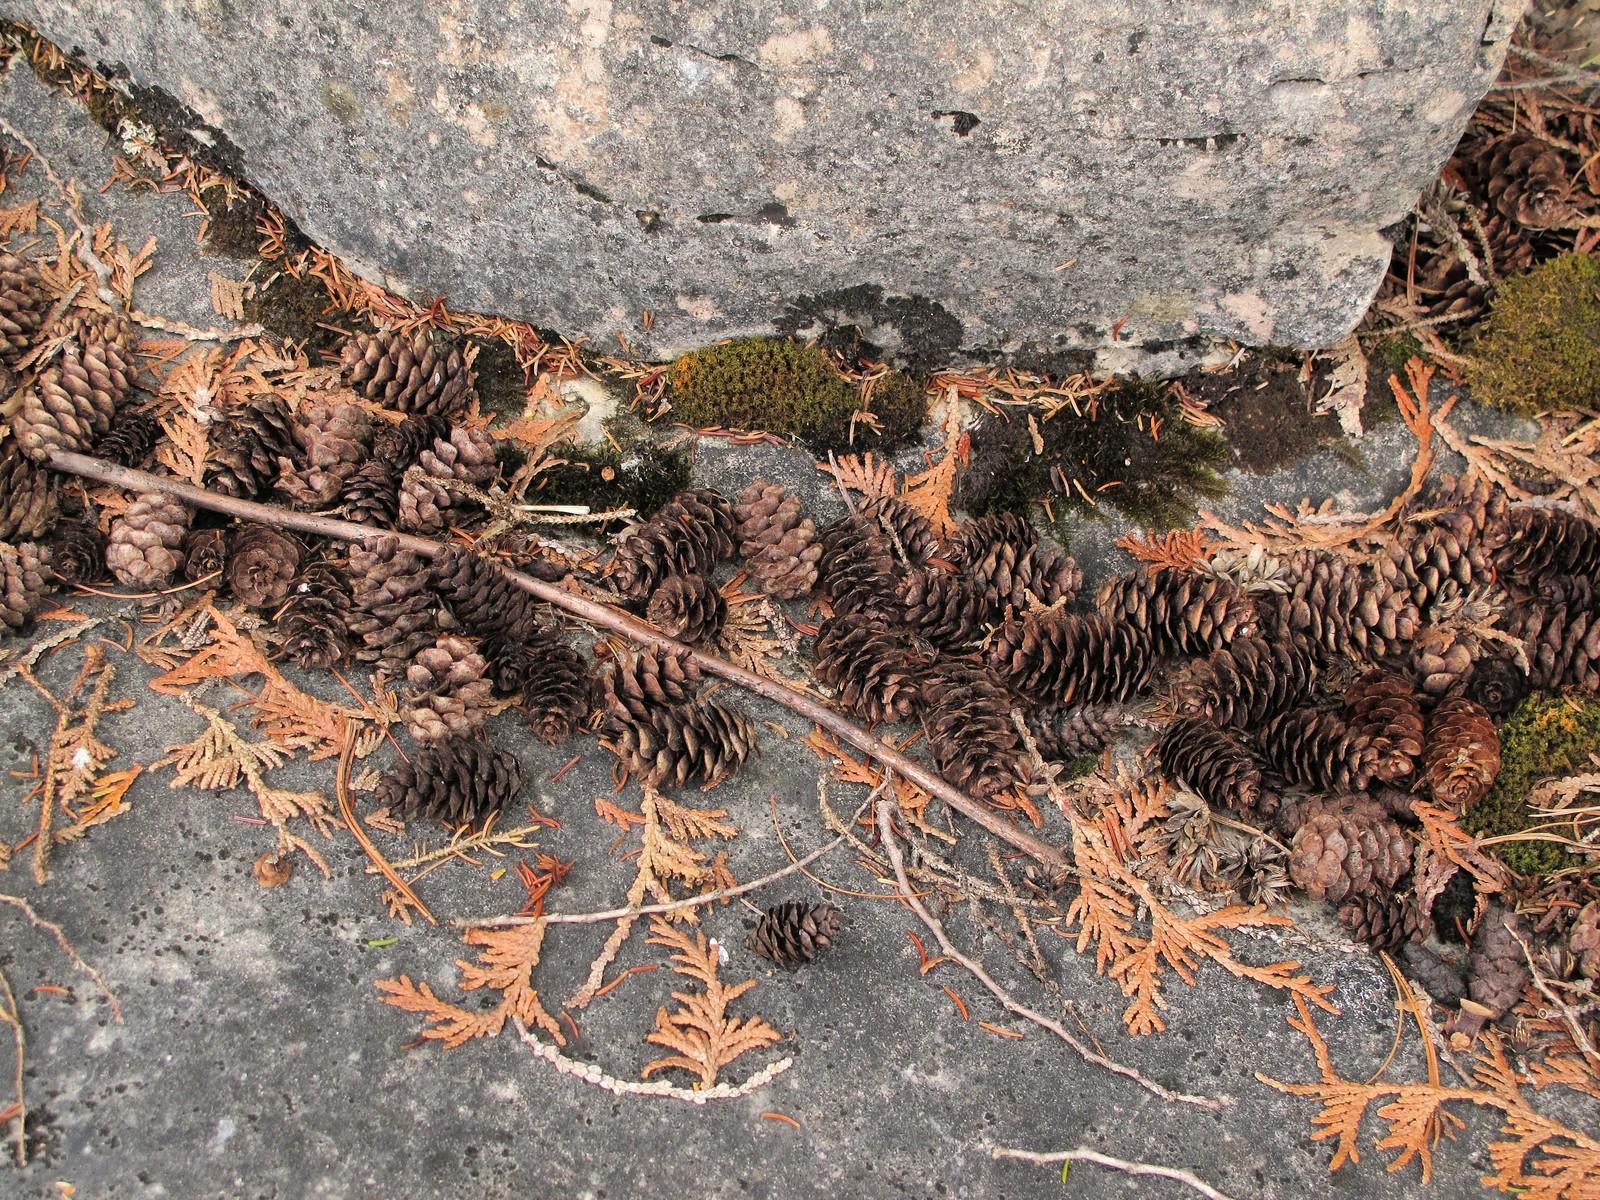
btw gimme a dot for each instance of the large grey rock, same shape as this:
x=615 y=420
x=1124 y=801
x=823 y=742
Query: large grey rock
x=1001 y=177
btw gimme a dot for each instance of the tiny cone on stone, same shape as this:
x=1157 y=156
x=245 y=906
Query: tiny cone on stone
x=262 y=564
x=793 y=933
x=688 y=608
x=78 y=552
x=205 y=553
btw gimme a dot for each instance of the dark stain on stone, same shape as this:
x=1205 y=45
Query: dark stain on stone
x=648 y=221
x=715 y=218
x=914 y=332
x=589 y=190
x=1209 y=144
x=961 y=123
x=301 y=310
x=1136 y=39
x=184 y=130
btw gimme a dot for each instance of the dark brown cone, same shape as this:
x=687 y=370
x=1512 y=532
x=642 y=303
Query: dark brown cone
x=1013 y=577
x=23 y=304
x=1383 y=920
x=393 y=603
x=482 y=597
x=1441 y=660
x=23 y=570
x=952 y=611
x=1471 y=504
x=975 y=539
x=793 y=933
x=77 y=552
x=410 y=373
x=550 y=678
x=1497 y=970
x=779 y=545
x=1335 y=856
x=457 y=781
x=641 y=684
x=262 y=564
x=1434 y=566
x=873 y=665
x=1583 y=940
x=687 y=537
x=75 y=399
x=1535 y=544
x=27 y=499
x=247 y=446
x=1528 y=181
x=1447 y=288
x=314 y=626
x=1341 y=609
x=1213 y=763
x=1078 y=732
x=466 y=456
x=446 y=692
x=1179 y=613
x=1060 y=659
x=1462 y=753
x=1248 y=681
x=857 y=568
x=146 y=545
x=334 y=438
x=1560 y=633
x=700 y=743
x=1386 y=711
x=1317 y=750
x=372 y=495
x=967 y=715
x=904 y=525
x=402 y=444
x=132 y=439
x=688 y=608
x=1362 y=806
x=1498 y=685
x=205 y=554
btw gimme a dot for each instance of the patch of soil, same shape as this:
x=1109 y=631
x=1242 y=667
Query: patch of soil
x=1267 y=410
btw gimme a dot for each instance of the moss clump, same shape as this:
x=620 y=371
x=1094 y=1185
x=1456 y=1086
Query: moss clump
x=231 y=226
x=301 y=310
x=1539 y=347
x=792 y=389
x=502 y=383
x=1266 y=410
x=629 y=470
x=1543 y=738
x=1130 y=450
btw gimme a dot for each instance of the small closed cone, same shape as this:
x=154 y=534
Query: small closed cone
x=779 y=545
x=410 y=372
x=248 y=448
x=857 y=568
x=146 y=545
x=967 y=715
x=77 y=552
x=1462 y=753
x=457 y=781
x=482 y=597
x=689 y=536
x=549 y=679
x=1385 y=710
x=466 y=456
x=131 y=440
x=1213 y=762
x=1534 y=544
x=23 y=581
x=688 y=608
x=75 y=399
x=314 y=624
x=393 y=603
x=447 y=694
x=262 y=564
x=1334 y=856
x=877 y=671
x=792 y=933
x=205 y=555
x=1528 y=181
x=24 y=302
x=1583 y=940
x=1497 y=969
x=1383 y=920
x=27 y=498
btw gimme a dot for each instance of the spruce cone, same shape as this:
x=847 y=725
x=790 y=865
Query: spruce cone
x=687 y=537
x=457 y=781
x=372 y=495
x=967 y=714
x=1497 y=971
x=1215 y=766
x=1014 y=576
x=903 y=524
x=952 y=611
x=446 y=692
x=1178 y=613
x=702 y=743
x=1498 y=685
x=688 y=608
x=132 y=439
x=246 y=447
x=1560 y=633
x=1435 y=567
x=641 y=684
x=1248 y=681
x=1472 y=505
x=1079 y=732
x=779 y=545
x=550 y=677
x=1384 y=710
x=78 y=552
x=146 y=546
x=402 y=444
x=84 y=325
x=394 y=606
x=792 y=933
x=1528 y=181
x=23 y=305
x=857 y=568
x=27 y=501
x=205 y=553
x=1342 y=611
x=1336 y=856
x=334 y=437
x=262 y=564
x=1441 y=660
x=1383 y=920
x=482 y=597
x=1067 y=660
x=468 y=456
x=1534 y=544
x=410 y=373
x=975 y=539
x=314 y=626
x=1356 y=805
x=22 y=582
x=873 y=665
x=1318 y=750
x=1583 y=940
x=1462 y=754
x=75 y=398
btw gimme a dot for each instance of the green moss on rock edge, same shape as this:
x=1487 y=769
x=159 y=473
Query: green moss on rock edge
x=1539 y=347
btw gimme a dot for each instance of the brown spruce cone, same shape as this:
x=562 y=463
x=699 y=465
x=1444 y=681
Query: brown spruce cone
x=146 y=545
x=639 y=685
x=1560 y=633
x=410 y=373
x=1498 y=685
x=1318 y=750
x=688 y=608
x=1528 y=181
x=700 y=743
x=967 y=715
x=23 y=570
x=334 y=438
x=1435 y=566
x=1446 y=288
x=1214 y=765
x=1016 y=576
x=952 y=611
x=1248 y=681
x=1342 y=610
x=27 y=499
x=1441 y=660
x=1335 y=856
x=372 y=495
x=1383 y=920
x=857 y=568
x=205 y=554
x=779 y=545
x=85 y=325
x=247 y=446
x=872 y=664
x=1386 y=711
x=393 y=602
x=1462 y=753
x=74 y=399
x=1497 y=970
x=481 y=596
x=793 y=933
x=1583 y=940
x=550 y=678
x=904 y=525
x=691 y=532
x=402 y=443
x=132 y=439
x=975 y=539
x=23 y=304
x=1533 y=544
x=78 y=552
x=262 y=564
x=314 y=626
x=457 y=781
x=1471 y=505
x=1179 y=613
x=447 y=694
x=1060 y=659
x=467 y=456
x=1078 y=732
x=1361 y=806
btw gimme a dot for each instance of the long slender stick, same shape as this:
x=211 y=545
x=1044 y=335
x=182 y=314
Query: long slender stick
x=341 y=787
x=1116 y=1164
x=599 y=614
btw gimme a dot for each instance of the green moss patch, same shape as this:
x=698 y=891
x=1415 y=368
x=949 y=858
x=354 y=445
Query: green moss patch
x=300 y=310
x=1543 y=738
x=792 y=389
x=1539 y=347
x=635 y=472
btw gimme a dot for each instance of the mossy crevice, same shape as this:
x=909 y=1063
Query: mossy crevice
x=1539 y=347
x=1266 y=407
x=628 y=470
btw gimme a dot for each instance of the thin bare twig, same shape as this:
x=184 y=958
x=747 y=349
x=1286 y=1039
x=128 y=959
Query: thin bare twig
x=341 y=787
x=12 y=1016
x=1082 y=1154
x=1574 y=1026
x=66 y=948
